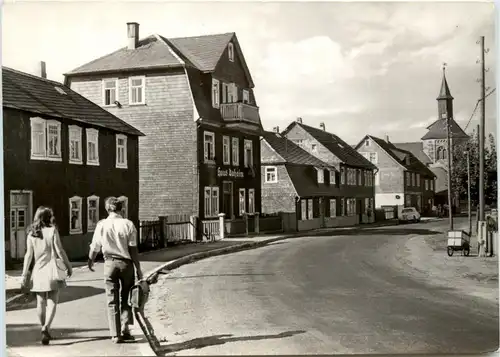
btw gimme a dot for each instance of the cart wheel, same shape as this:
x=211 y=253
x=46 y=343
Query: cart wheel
x=450 y=251
x=466 y=249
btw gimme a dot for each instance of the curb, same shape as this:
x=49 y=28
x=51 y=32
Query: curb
x=153 y=343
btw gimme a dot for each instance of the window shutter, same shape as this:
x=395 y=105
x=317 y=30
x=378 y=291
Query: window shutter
x=235 y=92
x=38 y=138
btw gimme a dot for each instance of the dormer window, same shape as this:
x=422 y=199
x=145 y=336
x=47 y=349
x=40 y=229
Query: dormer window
x=230 y=51
x=321 y=175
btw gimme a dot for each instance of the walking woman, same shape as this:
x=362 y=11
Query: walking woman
x=44 y=249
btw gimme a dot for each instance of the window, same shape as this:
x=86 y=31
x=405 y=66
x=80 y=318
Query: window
x=321 y=175
x=351 y=206
x=232 y=94
x=332 y=177
x=271 y=174
x=342 y=207
x=236 y=151
x=45 y=139
x=215 y=93
x=121 y=151
x=373 y=158
x=418 y=180
x=230 y=51
x=333 y=207
x=408 y=179
x=367 y=204
x=246 y=96
x=211 y=202
x=92 y=212
x=358 y=175
x=407 y=200
x=110 y=90
x=303 y=209
x=226 y=154
x=314 y=148
x=137 y=87
x=248 y=153
x=242 y=201
x=124 y=201
x=92 y=146
x=251 y=200
x=413 y=179
x=426 y=184
x=367 y=142
x=209 y=146
x=75 y=215
x=432 y=185
x=75 y=144
x=225 y=93
x=309 y=208
x=342 y=175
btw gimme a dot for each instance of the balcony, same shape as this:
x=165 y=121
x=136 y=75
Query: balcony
x=240 y=114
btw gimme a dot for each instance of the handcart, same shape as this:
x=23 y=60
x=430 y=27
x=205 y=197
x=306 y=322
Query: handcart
x=458 y=241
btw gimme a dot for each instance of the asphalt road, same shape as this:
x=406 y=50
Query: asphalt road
x=319 y=295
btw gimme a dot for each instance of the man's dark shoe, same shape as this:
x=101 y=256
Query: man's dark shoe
x=126 y=336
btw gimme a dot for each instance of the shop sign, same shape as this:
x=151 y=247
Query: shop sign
x=229 y=173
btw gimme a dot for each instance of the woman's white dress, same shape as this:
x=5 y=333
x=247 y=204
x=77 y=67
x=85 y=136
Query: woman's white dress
x=42 y=251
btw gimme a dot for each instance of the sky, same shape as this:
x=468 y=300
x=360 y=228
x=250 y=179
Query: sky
x=360 y=68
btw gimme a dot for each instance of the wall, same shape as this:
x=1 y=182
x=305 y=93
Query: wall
x=279 y=196
x=297 y=133
x=389 y=199
x=309 y=224
x=54 y=182
x=341 y=221
x=167 y=154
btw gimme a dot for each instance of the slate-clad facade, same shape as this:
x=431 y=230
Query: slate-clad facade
x=64 y=152
x=197 y=108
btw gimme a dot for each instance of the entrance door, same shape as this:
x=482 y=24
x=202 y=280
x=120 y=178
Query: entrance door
x=19 y=218
x=227 y=199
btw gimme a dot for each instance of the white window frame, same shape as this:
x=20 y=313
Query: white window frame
x=426 y=184
x=211 y=201
x=271 y=170
x=78 y=200
x=251 y=200
x=230 y=51
x=225 y=93
x=367 y=204
x=124 y=200
x=320 y=173
x=90 y=226
x=45 y=139
x=248 y=144
x=215 y=90
x=104 y=89
x=246 y=96
x=310 y=209
x=121 y=165
x=342 y=175
x=242 y=201
x=303 y=209
x=75 y=134
x=143 y=89
x=226 y=150
x=418 y=180
x=235 y=151
x=333 y=204
x=206 y=156
x=332 y=177
x=92 y=138
x=375 y=156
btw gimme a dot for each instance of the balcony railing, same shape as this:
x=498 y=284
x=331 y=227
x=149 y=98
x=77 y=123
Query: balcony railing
x=234 y=112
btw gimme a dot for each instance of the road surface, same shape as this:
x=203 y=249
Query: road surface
x=318 y=295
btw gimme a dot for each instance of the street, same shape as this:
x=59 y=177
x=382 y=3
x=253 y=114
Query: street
x=319 y=295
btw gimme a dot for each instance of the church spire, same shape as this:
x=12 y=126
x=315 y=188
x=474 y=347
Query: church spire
x=444 y=93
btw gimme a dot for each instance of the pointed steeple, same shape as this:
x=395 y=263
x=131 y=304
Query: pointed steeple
x=444 y=93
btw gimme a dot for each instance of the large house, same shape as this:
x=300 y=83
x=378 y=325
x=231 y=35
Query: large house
x=432 y=150
x=294 y=181
x=62 y=151
x=193 y=98
x=402 y=180
x=355 y=172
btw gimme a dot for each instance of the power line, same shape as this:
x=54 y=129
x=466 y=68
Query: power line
x=475 y=108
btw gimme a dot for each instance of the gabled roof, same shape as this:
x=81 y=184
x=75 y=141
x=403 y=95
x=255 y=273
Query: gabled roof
x=438 y=130
x=402 y=157
x=345 y=152
x=38 y=95
x=200 y=52
x=291 y=152
x=417 y=149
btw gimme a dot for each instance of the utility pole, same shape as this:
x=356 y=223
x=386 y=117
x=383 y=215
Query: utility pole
x=448 y=149
x=482 y=230
x=468 y=193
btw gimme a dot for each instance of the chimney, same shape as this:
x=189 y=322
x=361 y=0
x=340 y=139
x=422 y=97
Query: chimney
x=299 y=120
x=386 y=138
x=43 y=69
x=277 y=129
x=133 y=35
x=322 y=126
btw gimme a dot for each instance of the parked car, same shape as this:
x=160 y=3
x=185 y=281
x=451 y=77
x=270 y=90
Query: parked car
x=409 y=214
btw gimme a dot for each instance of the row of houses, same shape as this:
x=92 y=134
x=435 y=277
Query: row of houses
x=172 y=126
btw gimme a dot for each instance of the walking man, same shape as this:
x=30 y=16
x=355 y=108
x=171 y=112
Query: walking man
x=116 y=237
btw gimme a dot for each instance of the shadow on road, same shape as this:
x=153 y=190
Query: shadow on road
x=22 y=335
x=202 y=342
x=70 y=293
x=215 y=276
x=396 y=231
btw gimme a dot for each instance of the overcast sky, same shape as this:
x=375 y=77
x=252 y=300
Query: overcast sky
x=361 y=68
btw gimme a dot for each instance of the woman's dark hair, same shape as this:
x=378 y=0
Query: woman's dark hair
x=44 y=217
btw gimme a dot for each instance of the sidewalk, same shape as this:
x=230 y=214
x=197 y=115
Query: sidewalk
x=80 y=327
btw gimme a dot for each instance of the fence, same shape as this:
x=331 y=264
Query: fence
x=210 y=229
x=177 y=228
x=149 y=235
